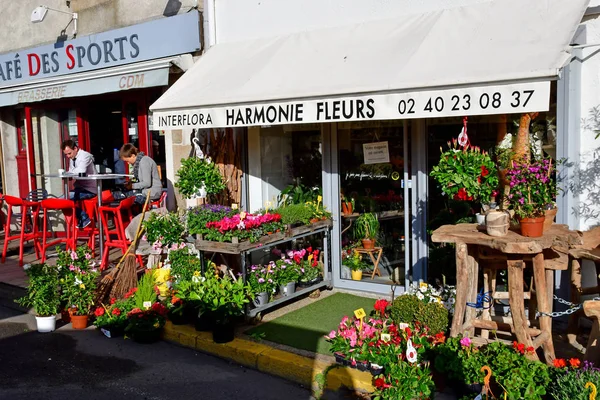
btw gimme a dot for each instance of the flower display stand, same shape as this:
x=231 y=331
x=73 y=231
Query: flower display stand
x=245 y=248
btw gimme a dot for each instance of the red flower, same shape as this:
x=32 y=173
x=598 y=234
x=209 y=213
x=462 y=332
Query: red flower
x=462 y=195
x=175 y=300
x=380 y=306
x=530 y=350
x=559 y=363
x=309 y=249
x=116 y=312
x=574 y=362
x=99 y=311
x=484 y=171
x=113 y=301
x=380 y=384
x=408 y=332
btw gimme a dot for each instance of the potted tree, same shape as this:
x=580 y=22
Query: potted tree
x=356 y=265
x=366 y=228
x=42 y=294
x=198 y=177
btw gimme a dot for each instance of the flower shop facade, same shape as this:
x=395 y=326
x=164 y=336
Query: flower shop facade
x=356 y=103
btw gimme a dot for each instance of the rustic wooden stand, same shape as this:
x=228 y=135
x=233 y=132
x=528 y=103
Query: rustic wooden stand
x=473 y=246
x=374 y=260
x=243 y=249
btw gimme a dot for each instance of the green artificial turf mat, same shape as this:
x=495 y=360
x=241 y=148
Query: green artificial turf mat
x=305 y=327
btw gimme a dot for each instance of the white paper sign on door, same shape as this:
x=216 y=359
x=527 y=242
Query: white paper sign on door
x=376 y=153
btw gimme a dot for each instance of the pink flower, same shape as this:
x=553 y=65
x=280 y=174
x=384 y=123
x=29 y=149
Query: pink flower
x=331 y=335
x=465 y=342
x=73 y=255
x=88 y=256
x=71 y=267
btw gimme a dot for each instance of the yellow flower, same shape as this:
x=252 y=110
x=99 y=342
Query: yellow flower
x=82 y=286
x=156 y=324
x=310 y=257
x=196 y=273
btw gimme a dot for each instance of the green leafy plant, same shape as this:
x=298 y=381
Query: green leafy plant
x=466 y=174
x=434 y=316
x=404 y=308
x=196 y=173
x=113 y=314
x=366 y=226
x=354 y=261
x=294 y=214
x=262 y=279
x=403 y=380
x=42 y=290
x=532 y=188
x=183 y=263
x=569 y=379
x=298 y=194
x=163 y=230
x=226 y=298
x=148 y=313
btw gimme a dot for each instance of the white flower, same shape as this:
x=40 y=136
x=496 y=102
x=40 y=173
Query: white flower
x=27 y=266
x=78 y=282
x=420 y=296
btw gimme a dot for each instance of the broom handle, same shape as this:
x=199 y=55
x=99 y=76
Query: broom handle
x=137 y=232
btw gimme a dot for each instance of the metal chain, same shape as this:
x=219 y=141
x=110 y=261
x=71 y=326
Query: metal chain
x=573 y=308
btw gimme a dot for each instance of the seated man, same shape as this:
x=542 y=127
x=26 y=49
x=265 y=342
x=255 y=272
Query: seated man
x=145 y=174
x=80 y=162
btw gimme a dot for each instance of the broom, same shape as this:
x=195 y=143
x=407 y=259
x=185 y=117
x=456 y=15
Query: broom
x=120 y=280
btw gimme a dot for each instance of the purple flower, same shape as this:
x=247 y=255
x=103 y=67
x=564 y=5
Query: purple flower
x=261 y=280
x=465 y=342
x=522 y=200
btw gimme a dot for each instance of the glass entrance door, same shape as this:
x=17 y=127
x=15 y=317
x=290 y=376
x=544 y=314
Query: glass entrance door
x=373 y=166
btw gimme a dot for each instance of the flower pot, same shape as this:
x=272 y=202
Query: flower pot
x=65 y=316
x=112 y=331
x=79 y=321
x=178 y=318
x=340 y=358
x=204 y=321
x=288 y=289
x=375 y=369
x=497 y=223
x=356 y=275
x=145 y=337
x=223 y=332
x=46 y=324
x=532 y=227
x=362 y=365
x=480 y=218
x=549 y=218
x=368 y=244
x=261 y=299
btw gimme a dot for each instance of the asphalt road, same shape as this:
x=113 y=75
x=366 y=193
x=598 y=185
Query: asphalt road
x=69 y=364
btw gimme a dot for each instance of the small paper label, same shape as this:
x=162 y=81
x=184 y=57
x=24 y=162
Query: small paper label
x=242 y=215
x=386 y=337
x=234 y=206
x=147 y=304
x=105 y=332
x=360 y=313
x=319 y=198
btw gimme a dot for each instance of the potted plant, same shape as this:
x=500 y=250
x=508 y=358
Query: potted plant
x=163 y=231
x=42 y=294
x=78 y=283
x=356 y=265
x=531 y=191
x=261 y=279
x=226 y=299
x=198 y=177
x=467 y=173
x=366 y=228
x=148 y=316
x=288 y=271
x=347 y=205
x=111 y=319
x=311 y=269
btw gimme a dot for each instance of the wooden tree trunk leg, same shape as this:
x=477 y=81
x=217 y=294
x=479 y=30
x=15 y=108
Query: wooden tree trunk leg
x=493 y=289
x=550 y=291
x=517 y=308
x=573 y=326
x=592 y=351
x=532 y=302
x=539 y=273
x=486 y=311
x=461 y=289
x=473 y=268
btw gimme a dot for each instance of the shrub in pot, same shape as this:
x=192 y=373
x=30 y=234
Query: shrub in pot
x=111 y=318
x=42 y=294
x=198 y=177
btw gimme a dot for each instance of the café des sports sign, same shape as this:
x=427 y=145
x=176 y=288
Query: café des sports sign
x=151 y=40
x=445 y=102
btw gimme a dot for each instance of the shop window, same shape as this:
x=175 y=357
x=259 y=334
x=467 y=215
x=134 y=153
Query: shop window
x=371 y=165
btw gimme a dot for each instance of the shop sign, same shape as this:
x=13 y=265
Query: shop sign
x=151 y=40
x=159 y=77
x=449 y=102
x=376 y=153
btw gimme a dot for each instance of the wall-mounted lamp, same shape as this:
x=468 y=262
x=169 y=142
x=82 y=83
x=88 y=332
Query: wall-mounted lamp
x=39 y=13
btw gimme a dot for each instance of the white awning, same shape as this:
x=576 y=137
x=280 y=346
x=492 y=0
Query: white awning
x=490 y=58
x=132 y=76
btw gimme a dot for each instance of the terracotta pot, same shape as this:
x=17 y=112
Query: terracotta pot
x=345 y=208
x=549 y=219
x=368 y=244
x=532 y=227
x=356 y=275
x=79 y=321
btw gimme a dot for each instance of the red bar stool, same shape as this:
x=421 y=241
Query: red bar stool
x=115 y=238
x=29 y=209
x=68 y=209
x=161 y=202
x=90 y=206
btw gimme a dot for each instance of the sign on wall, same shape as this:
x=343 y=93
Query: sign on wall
x=447 y=102
x=151 y=40
x=376 y=153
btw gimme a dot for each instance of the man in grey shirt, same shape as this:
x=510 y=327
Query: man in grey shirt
x=80 y=162
x=145 y=174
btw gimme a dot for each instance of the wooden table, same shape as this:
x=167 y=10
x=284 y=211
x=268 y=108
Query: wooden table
x=374 y=260
x=547 y=253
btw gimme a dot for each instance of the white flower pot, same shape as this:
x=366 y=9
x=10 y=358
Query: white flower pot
x=46 y=324
x=191 y=203
x=480 y=218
